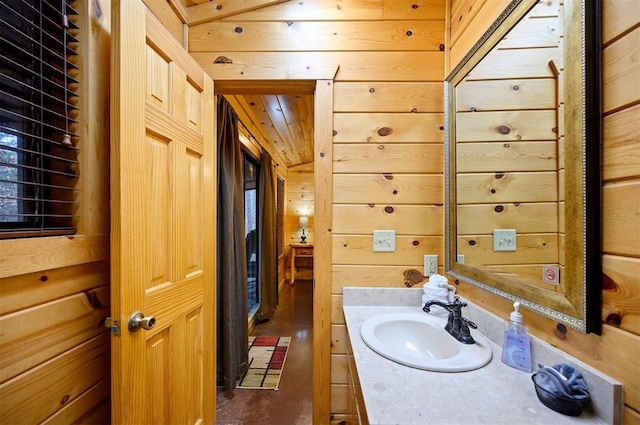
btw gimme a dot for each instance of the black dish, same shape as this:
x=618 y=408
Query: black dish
x=564 y=405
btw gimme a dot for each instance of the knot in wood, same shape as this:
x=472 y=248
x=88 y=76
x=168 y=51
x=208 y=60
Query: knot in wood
x=409 y=33
x=414 y=6
x=499 y=174
x=335 y=132
x=507 y=145
x=499 y=208
x=413 y=277
x=415 y=243
x=219 y=7
x=395 y=192
x=503 y=129
x=561 y=331
x=388 y=176
x=388 y=209
x=223 y=59
x=44 y=278
x=371 y=90
x=516 y=87
x=614 y=319
x=414 y=110
x=441 y=47
x=238 y=30
x=472 y=242
x=321 y=154
x=384 y=131
x=380 y=147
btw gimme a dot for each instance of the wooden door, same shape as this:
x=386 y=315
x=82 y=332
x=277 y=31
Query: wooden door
x=162 y=225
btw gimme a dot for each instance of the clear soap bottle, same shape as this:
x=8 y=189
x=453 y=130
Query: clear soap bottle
x=516 y=350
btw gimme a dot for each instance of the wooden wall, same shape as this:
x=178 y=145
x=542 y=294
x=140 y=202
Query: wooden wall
x=299 y=195
x=617 y=350
x=54 y=291
x=388 y=128
x=507 y=163
x=387 y=174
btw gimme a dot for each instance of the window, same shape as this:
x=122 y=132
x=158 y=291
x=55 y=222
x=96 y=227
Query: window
x=38 y=157
x=252 y=232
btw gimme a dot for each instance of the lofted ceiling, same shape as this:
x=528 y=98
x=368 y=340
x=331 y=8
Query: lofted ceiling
x=279 y=115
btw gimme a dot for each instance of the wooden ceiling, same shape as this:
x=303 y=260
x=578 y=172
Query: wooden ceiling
x=280 y=115
x=283 y=120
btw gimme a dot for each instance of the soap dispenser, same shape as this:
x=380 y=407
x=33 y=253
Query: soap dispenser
x=516 y=350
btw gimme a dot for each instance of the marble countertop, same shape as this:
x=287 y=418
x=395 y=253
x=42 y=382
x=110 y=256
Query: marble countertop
x=494 y=394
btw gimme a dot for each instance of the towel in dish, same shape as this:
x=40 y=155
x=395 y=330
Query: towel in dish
x=438 y=289
x=562 y=380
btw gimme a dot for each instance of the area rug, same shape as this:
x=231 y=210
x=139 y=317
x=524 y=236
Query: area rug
x=266 y=360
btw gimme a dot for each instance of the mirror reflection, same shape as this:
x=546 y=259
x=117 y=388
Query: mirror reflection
x=515 y=182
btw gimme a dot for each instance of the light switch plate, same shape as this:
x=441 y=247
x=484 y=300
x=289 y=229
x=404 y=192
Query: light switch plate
x=384 y=241
x=504 y=239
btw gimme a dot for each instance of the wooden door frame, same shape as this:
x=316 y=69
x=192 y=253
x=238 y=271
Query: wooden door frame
x=321 y=86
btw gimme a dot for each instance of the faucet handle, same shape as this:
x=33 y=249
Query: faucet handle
x=457 y=302
x=469 y=323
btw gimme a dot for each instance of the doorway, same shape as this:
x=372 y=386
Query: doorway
x=321 y=85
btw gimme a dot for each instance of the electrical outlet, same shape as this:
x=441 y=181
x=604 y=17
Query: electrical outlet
x=504 y=239
x=384 y=241
x=460 y=258
x=430 y=264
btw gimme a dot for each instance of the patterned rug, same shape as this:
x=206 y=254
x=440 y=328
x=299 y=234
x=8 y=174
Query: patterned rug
x=266 y=360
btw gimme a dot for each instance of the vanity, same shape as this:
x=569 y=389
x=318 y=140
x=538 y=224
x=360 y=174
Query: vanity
x=385 y=392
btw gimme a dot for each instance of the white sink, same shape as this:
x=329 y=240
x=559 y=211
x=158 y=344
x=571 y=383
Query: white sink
x=420 y=341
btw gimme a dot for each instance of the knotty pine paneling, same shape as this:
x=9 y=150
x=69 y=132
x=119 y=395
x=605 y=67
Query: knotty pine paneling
x=388 y=128
x=404 y=219
x=299 y=201
x=56 y=383
x=398 y=35
x=354 y=10
x=388 y=158
x=388 y=188
x=388 y=97
x=355 y=249
x=368 y=276
x=54 y=291
x=354 y=65
x=620 y=82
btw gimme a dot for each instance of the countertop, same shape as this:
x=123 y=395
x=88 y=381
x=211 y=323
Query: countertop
x=494 y=394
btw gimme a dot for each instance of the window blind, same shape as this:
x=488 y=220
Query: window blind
x=38 y=156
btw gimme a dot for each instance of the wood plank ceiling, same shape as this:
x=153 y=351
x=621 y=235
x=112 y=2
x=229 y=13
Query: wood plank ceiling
x=280 y=115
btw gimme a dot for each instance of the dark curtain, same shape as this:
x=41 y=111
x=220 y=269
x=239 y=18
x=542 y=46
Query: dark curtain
x=232 y=338
x=268 y=253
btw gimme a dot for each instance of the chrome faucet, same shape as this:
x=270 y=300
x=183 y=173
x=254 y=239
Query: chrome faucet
x=457 y=325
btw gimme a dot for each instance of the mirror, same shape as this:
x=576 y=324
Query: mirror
x=522 y=171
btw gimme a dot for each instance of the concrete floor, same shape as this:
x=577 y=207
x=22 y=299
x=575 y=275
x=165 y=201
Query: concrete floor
x=291 y=404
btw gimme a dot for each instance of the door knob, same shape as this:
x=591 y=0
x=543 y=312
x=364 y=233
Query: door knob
x=138 y=320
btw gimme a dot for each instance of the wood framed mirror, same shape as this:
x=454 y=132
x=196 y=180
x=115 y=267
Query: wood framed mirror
x=522 y=118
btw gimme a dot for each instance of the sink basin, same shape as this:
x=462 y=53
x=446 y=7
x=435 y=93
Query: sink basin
x=420 y=341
